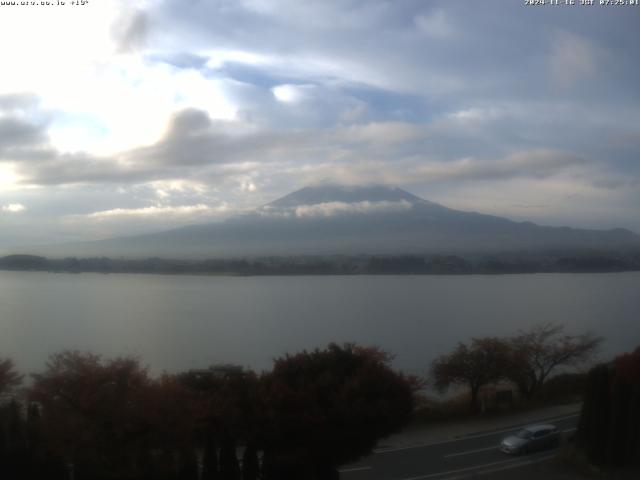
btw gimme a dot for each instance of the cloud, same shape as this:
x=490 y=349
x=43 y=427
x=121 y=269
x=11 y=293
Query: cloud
x=17 y=102
x=124 y=221
x=435 y=24
x=572 y=59
x=248 y=186
x=196 y=147
x=171 y=103
x=169 y=188
x=14 y=208
x=331 y=209
x=48 y=167
x=382 y=133
x=22 y=122
x=540 y=163
x=130 y=31
x=289 y=93
x=193 y=139
x=157 y=211
x=16 y=133
x=477 y=114
x=8 y=178
x=420 y=170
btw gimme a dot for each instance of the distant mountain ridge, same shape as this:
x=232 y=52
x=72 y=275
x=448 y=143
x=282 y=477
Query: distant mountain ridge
x=351 y=220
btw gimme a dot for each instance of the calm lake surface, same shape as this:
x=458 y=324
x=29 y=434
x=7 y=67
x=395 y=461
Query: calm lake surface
x=181 y=322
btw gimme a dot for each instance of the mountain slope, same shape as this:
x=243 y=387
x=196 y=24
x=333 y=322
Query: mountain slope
x=332 y=219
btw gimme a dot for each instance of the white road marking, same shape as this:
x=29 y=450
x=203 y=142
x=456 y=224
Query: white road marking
x=506 y=467
x=470 y=437
x=354 y=469
x=513 y=463
x=469 y=452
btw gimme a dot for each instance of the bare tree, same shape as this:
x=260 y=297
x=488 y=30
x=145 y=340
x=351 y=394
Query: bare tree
x=537 y=352
x=483 y=362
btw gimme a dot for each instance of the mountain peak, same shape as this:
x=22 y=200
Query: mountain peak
x=328 y=193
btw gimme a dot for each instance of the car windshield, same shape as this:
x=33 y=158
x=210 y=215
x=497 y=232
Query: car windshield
x=525 y=434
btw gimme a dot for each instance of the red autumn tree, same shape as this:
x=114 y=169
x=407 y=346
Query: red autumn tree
x=169 y=413
x=228 y=410
x=328 y=407
x=91 y=410
x=9 y=378
x=609 y=426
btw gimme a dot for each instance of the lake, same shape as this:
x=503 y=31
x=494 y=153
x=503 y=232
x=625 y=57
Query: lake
x=181 y=322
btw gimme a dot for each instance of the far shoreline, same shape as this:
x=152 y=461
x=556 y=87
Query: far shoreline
x=337 y=265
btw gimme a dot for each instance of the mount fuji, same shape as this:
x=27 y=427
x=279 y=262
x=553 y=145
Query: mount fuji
x=378 y=220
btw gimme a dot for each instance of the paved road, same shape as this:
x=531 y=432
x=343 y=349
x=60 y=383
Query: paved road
x=473 y=454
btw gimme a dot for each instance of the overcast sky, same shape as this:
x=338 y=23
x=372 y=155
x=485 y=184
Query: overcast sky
x=121 y=117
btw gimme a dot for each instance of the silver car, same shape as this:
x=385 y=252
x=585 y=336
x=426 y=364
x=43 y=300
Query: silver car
x=531 y=438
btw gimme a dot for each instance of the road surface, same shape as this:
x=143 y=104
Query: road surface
x=465 y=456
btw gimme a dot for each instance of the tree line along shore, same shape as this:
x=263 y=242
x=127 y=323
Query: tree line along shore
x=506 y=263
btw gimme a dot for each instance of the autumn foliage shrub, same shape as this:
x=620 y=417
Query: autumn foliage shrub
x=92 y=418
x=609 y=427
x=564 y=387
x=328 y=407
